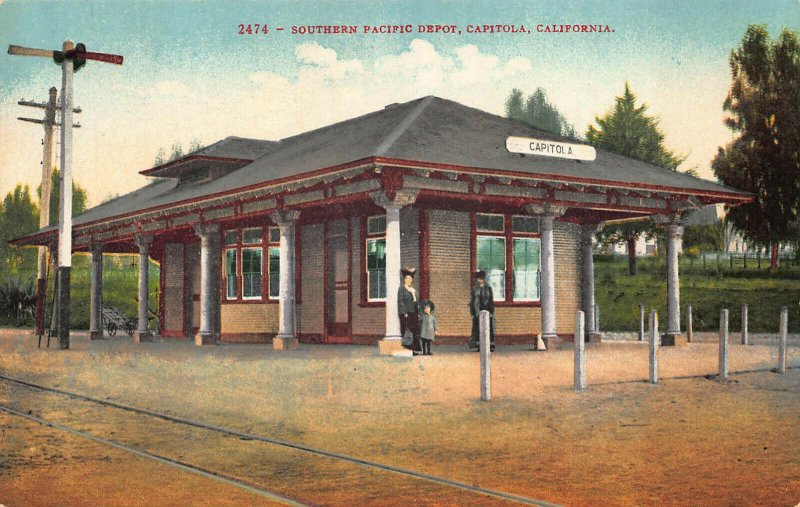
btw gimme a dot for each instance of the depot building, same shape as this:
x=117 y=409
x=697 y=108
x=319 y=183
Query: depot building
x=303 y=239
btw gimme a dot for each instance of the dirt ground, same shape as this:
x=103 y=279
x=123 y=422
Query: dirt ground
x=690 y=440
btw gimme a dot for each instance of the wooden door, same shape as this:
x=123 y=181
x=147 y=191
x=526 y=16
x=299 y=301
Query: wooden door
x=337 y=286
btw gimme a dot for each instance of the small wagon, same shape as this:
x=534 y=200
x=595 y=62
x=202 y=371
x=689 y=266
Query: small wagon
x=114 y=319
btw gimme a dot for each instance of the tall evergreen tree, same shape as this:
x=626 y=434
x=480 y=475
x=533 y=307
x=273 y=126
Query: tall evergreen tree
x=764 y=111
x=628 y=130
x=538 y=112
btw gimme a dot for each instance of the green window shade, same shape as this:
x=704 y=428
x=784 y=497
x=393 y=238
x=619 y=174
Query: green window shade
x=527 y=253
x=274 y=272
x=376 y=268
x=230 y=273
x=251 y=272
x=492 y=260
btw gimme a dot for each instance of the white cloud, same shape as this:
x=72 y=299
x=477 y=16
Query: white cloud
x=325 y=61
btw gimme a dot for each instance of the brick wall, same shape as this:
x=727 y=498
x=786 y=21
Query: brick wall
x=449 y=259
x=567 y=242
x=243 y=318
x=173 y=288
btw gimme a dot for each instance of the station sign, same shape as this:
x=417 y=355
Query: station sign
x=546 y=148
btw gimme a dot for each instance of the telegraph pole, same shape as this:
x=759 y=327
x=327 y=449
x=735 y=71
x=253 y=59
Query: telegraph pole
x=71 y=58
x=49 y=123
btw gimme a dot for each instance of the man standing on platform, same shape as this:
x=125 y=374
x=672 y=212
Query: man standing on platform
x=482 y=298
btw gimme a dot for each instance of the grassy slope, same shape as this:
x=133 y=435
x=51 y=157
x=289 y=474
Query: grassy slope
x=620 y=294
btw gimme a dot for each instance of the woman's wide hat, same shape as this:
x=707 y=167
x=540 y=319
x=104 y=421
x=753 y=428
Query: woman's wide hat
x=408 y=271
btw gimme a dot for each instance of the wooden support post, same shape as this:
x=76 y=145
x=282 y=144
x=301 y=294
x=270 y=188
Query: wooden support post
x=723 y=345
x=654 y=342
x=784 y=330
x=486 y=366
x=580 y=354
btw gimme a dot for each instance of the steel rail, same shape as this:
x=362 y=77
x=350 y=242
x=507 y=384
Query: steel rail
x=186 y=467
x=292 y=445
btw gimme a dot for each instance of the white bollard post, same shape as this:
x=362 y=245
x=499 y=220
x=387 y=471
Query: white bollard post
x=784 y=330
x=654 y=339
x=745 y=337
x=641 y=323
x=486 y=368
x=723 y=345
x=596 y=318
x=689 y=331
x=580 y=354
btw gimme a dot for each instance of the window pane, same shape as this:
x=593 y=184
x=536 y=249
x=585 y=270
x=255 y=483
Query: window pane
x=492 y=260
x=251 y=272
x=274 y=272
x=251 y=236
x=492 y=223
x=376 y=268
x=376 y=225
x=524 y=224
x=230 y=273
x=526 y=268
x=274 y=235
x=230 y=237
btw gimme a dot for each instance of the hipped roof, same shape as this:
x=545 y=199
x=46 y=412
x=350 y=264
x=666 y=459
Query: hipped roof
x=430 y=131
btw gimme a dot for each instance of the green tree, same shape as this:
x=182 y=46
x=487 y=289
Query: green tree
x=18 y=216
x=538 y=112
x=79 y=197
x=628 y=130
x=764 y=159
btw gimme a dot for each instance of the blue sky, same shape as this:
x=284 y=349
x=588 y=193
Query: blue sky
x=188 y=74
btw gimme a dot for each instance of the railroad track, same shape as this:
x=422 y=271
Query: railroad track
x=284 y=471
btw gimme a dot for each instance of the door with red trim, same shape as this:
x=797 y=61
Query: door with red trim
x=337 y=286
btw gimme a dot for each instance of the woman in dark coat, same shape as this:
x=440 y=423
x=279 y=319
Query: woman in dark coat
x=408 y=309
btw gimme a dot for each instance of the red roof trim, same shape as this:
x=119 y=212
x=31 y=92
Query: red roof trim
x=555 y=177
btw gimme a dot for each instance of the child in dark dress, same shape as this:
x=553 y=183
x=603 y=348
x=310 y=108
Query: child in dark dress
x=428 y=327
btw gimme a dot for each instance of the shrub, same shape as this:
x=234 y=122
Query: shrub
x=17 y=300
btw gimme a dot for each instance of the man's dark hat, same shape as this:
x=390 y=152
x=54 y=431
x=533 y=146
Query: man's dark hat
x=427 y=302
x=408 y=271
x=481 y=274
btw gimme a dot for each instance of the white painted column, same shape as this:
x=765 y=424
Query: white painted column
x=96 y=299
x=548 y=282
x=547 y=215
x=587 y=281
x=286 y=338
x=674 y=236
x=210 y=263
x=393 y=265
x=390 y=344
x=142 y=330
